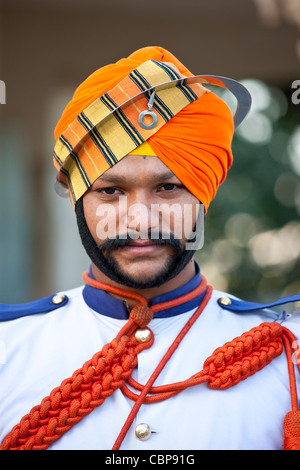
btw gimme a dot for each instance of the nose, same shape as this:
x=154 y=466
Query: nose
x=136 y=216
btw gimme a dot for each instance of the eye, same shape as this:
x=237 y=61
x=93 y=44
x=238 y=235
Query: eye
x=110 y=191
x=170 y=186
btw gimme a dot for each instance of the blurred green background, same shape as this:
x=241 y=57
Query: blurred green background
x=47 y=48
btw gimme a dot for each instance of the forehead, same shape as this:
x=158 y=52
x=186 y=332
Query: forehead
x=137 y=166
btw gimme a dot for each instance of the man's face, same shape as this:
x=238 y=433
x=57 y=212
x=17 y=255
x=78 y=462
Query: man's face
x=140 y=216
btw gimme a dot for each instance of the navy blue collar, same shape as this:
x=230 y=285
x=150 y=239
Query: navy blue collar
x=107 y=305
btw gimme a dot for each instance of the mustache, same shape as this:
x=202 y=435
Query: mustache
x=120 y=241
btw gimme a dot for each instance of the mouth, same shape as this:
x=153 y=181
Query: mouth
x=142 y=247
x=141 y=243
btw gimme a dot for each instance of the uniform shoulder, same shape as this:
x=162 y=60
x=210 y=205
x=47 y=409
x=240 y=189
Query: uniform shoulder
x=44 y=305
x=236 y=305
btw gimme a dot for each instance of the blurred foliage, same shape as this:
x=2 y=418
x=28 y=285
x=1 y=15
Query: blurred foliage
x=252 y=228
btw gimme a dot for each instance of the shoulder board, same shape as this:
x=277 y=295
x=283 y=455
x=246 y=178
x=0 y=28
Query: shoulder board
x=240 y=306
x=47 y=304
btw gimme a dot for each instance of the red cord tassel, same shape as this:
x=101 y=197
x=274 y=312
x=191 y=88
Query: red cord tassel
x=291 y=427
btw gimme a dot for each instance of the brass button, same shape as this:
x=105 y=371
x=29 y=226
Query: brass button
x=143 y=431
x=143 y=335
x=58 y=299
x=224 y=301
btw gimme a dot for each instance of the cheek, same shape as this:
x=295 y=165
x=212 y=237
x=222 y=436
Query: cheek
x=180 y=219
x=90 y=206
x=101 y=218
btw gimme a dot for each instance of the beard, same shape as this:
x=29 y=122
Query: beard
x=103 y=255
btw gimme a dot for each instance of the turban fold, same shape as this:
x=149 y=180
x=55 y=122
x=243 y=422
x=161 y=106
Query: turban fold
x=192 y=137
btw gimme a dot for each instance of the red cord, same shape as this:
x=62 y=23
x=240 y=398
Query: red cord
x=115 y=290
x=158 y=370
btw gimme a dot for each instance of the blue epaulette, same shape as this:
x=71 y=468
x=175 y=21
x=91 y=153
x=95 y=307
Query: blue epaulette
x=47 y=304
x=240 y=306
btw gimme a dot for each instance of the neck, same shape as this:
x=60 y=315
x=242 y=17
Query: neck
x=182 y=278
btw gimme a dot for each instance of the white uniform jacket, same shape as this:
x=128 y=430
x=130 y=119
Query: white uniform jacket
x=43 y=343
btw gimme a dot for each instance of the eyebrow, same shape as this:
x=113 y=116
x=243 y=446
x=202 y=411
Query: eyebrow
x=157 y=177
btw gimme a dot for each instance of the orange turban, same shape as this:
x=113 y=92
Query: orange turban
x=195 y=144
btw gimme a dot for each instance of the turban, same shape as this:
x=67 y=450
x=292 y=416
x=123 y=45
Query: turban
x=99 y=126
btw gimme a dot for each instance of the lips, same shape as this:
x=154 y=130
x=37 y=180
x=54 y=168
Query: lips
x=141 y=247
x=141 y=243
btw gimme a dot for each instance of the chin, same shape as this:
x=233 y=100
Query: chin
x=144 y=270
x=140 y=275
x=142 y=279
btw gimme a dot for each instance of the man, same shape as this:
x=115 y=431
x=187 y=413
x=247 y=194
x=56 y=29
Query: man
x=127 y=361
